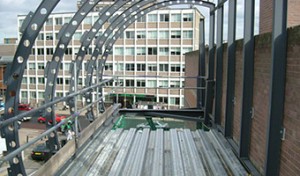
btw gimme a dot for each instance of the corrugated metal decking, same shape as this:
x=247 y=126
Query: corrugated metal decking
x=157 y=153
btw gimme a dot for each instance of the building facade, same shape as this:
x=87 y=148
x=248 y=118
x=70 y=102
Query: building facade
x=266 y=15
x=147 y=60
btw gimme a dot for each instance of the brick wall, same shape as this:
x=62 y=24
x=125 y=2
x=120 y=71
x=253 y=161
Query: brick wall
x=290 y=154
x=266 y=14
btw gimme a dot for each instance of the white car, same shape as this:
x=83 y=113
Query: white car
x=26 y=118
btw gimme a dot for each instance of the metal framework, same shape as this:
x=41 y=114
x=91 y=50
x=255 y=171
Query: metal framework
x=205 y=97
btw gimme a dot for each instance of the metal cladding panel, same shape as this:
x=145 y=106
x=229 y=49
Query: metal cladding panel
x=145 y=152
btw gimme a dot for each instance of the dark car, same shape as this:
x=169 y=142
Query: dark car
x=41 y=153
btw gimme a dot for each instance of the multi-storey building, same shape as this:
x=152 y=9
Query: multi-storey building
x=148 y=58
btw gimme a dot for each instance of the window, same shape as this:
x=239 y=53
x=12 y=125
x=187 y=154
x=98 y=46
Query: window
x=188 y=17
x=152 y=51
x=164 y=34
x=130 y=83
x=59 y=81
x=141 y=51
x=129 y=34
x=152 y=17
x=67 y=81
x=141 y=67
x=174 y=83
x=49 y=22
x=67 y=19
x=120 y=83
x=141 y=19
x=175 y=34
x=176 y=18
x=129 y=51
x=32 y=80
x=174 y=101
x=68 y=51
x=88 y=20
x=31 y=66
x=152 y=34
x=77 y=35
x=152 y=67
x=164 y=17
x=58 y=21
x=141 y=34
x=175 y=67
x=108 y=67
x=129 y=67
x=187 y=34
x=40 y=51
x=41 y=80
x=164 y=51
x=49 y=36
x=140 y=83
x=175 y=51
x=41 y=36
x=41 y=66
x=33 y=95
x=61 y=66
x=24 y=80
x=186 y=49
x=164 y=67
x=119 y=67
x=119 y=51
x=151 y=83
x=67 y=66
x=24 y=94
x=59 y=94
x=163 y=99
x=49 y=51
x=163 y=83
x=41 y=95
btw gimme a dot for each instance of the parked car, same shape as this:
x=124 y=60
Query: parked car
x=58 y=118
x=41 y=152
x=25 y=107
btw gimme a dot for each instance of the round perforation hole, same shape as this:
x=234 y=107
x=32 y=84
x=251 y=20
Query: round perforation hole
x=107 y=13
x=26 y=43
x=82 y=13
x=57 y=59
x=88 y=100
x=20 y=59
x=53 y=71
x=74 y=23
x=11 y=127
x=34 y=26
x=79 y=58
x=49 y=109
x=15 y=76
x=10 y=110
x=43 y=11
x=12 y=93
x=73 y=109
x=68 y=35
x=62 y=46
x=15 y=160
x=52 y=135
x=12 y=144
x=50 y=84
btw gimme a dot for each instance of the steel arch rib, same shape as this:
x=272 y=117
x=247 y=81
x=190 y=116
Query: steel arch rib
x=52 y=68
x=30 y=33
x=121 y=22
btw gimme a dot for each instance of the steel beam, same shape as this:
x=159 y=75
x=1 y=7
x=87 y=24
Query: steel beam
x=219 y=66
x=277 y=95
x=230 y=69
x=248 y=80
x=201 y=66
x=211 y=68
x=30 y=29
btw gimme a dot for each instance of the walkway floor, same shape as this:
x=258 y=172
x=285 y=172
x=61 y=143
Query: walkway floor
x=157 y=153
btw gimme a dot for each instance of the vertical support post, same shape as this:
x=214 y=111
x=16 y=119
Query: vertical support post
x=219 y=67
x=211 y=65
x=97 y=82
x=201 y=66
x=230 y=69
x=248 y=80
x=75 y=103
x=279 y=56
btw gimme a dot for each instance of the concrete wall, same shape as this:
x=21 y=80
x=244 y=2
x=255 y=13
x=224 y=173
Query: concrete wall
x=290 y=154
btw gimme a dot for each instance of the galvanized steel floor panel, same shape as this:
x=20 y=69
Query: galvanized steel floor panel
x=144 y=152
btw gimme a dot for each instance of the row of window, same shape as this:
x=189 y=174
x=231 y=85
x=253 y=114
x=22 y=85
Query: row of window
x=142 y=67
x=142 y=83
x=174 y=34
x=128 y=51
x=41 y=66
x=151 y=18
x=41 y=95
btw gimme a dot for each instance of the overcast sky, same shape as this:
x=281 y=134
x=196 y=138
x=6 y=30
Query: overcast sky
x=9 y=9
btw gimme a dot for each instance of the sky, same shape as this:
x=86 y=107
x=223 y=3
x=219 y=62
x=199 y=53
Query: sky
x=10 y=9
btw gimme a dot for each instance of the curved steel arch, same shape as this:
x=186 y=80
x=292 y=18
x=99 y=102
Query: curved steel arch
x=123 y=22
x=34 y=23
x=86 y=42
